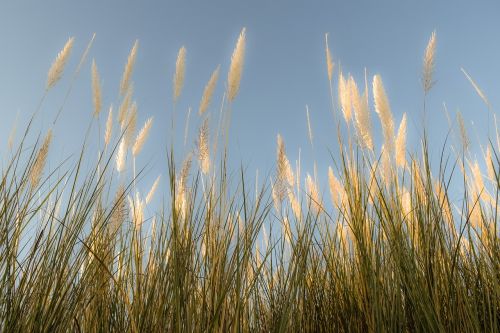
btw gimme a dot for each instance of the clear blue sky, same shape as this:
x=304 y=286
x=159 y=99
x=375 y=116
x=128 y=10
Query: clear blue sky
x=284 y=66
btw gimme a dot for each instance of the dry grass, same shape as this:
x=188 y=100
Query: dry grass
x=404 y=245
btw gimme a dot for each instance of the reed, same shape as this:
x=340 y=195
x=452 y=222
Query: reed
x=407 y=243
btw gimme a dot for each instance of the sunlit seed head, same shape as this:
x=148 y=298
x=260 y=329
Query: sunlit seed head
x=142 y=137
x=428 y=68
x=384 y=111
x=180 y=69
x=401 y=143
x=109 y=126
x=209 y=91
x=236 y=67
x=129 y=67
x=57 y=68
x=96 y=90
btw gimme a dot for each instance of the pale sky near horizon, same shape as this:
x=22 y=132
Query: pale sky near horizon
x=284 y=68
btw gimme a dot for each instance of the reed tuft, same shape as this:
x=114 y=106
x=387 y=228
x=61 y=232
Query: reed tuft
x=180 y=69
x=236 y=67
x=384 y=112
x=428 y=68
x=209 y=91
x=129 y=68
x=142 y=137
x=57 y=68
x=96 y=90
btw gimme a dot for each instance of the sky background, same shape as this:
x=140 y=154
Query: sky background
x=284 y=68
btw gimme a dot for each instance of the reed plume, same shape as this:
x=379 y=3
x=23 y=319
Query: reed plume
x=284 y=169
x=313 y=193
x=203 y=147
x=109 y=126
x=40 y=160
x=57 y=68
x=361 y=115
x=119 y=211
x=337 y=191
x=294 y=203
x=141 y=137
x=180 y=68
x=236 y=67
x=444 y=203
x=131 y=124
x=152 y=191
x=464 y=137
x=209 y=91
x=476 y=87
x=478 y=178
x=406 y=203
x=96 y=90
x=385 y=165
x=329 y=61
x=401 y=143
x=334 y=186
x=344 y=95
x=181 y=195
x=184 y=174
x=489 y=164
x=428 y=68
x=384 y=112
x=125 y=106
x=136 y=206
x=120 y=156
x=129 y=67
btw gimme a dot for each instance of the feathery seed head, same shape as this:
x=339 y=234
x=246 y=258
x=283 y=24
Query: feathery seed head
x=131 y=124
x=284 y=169
x=334 y=185
x=236 y=67
x=478 y=178
x=57 y=67
x=385 y=165
x=362 y=115
x=296 y=208
x=119 y=209
x=344 y=95
x=96 y=90
x=401 y=143
x=180 y=68
x=329 y=61
x=489 y=164
x=203 y=147
x=124 y=107
x=464 y=137
x=477 y=88
x=141 y=137
x=109 y=126
x=209 y=91
x=406 y=203
x=428 y=69
x=40 y=159
x=129 y=67
x=120 y=156
x=152 y=191
x=313 y=193
x=384 y=111
x=136 y=206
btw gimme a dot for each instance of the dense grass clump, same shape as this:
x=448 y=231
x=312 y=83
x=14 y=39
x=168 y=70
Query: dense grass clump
x=81 y=249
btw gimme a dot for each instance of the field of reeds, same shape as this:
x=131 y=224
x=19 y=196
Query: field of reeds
x=381 y=246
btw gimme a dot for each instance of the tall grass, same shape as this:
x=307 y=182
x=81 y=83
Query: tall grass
x=389 y=251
